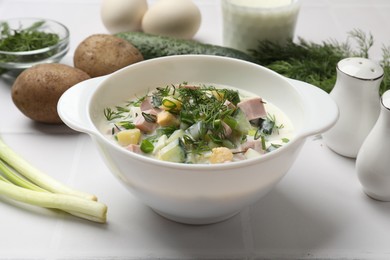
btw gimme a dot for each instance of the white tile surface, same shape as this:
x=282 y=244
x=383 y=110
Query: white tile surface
x=317 y=211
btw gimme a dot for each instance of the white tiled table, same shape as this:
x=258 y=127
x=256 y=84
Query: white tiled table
x=317 y=211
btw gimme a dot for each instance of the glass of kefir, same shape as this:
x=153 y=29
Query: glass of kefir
x=246 y=22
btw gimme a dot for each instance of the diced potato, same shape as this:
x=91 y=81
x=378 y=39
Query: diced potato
x=170 y=104
x=221 y=155
x=165 y=118
x=130 y=136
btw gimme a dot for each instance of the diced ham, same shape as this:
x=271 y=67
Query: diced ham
x=253 y=108
x=229 y=104
x=142 y=124
x=134 y=148
x=254 y=144
x=146 y=104
x=227 y=130
x=155 y=110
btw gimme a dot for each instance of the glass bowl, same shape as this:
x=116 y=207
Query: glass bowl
x=12 y=63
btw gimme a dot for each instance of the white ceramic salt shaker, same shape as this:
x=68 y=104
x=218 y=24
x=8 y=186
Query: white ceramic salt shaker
x=373 y=160
x=356 y=93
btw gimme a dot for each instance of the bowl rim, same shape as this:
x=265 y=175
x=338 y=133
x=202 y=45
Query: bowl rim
x=63 y=40
x=195 y=167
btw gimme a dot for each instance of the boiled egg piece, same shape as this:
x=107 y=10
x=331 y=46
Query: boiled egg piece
x=123 y=15
x=175 y=18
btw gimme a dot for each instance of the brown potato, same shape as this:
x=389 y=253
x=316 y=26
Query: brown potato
x=36 y=90
x=102 y=54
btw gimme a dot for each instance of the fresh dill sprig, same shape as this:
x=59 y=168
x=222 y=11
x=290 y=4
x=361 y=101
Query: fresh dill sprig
x=111 y=114
x=385 y=62
x=267 y=127
x=364 y=42
x=316 y=63
x=137 y=102
x=195 y=147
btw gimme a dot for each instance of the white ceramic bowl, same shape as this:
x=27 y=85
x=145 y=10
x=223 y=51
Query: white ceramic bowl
x=188 y=193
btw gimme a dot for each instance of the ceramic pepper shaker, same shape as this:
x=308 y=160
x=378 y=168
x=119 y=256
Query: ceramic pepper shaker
x=373 y=160
x=356 y=93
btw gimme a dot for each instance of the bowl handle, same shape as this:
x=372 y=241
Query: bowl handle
x=72 y=106
x=321 y=110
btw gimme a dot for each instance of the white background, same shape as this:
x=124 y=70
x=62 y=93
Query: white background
x=317 y=211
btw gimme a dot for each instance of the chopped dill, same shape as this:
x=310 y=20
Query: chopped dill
x=28 y=39
x=195 y=147
x=168 y=130
x=125 y=124
x=136 y=102
x=111 y=114
x=122 y=109
x=17 y=40
x=267 y=127
x=200 y=117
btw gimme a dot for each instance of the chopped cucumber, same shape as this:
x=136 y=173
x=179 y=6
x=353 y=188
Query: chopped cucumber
x=161 y=142
x=153 y=46
x=196 y=131
x=175 y=135
x=173 y=152
x=251 y=153
x=243 y=125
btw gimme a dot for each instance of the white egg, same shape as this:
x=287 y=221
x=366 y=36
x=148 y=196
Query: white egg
x=123 y=15
x=175 y=18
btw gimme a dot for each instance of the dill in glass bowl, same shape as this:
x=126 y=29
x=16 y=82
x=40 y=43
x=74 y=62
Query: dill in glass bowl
x=25 y=42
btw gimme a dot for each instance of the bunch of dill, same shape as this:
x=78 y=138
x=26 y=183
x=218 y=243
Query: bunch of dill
x=316 y=63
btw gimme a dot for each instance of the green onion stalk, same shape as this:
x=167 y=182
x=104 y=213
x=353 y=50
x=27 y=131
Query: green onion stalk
x=21 y=181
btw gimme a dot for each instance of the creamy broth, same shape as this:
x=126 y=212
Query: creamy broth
x=198 y=123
